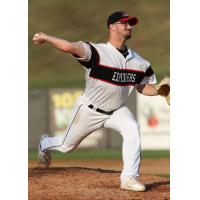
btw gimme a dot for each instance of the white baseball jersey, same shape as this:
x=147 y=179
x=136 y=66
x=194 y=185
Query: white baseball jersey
x=110 y=77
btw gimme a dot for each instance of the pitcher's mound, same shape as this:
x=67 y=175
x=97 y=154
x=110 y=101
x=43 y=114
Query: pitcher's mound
x=76 y=183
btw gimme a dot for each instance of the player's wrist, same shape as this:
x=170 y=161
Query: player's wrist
x=45 y=37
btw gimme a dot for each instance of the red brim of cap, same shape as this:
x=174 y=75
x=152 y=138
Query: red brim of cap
x=134 y=20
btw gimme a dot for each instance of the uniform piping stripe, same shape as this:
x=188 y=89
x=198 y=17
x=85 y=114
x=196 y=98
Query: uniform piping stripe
x=115 y=68
x=67 y=131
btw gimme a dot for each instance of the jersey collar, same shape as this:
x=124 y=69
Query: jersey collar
x=130 y=53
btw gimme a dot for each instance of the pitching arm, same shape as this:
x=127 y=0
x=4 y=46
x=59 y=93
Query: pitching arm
x=75 y=48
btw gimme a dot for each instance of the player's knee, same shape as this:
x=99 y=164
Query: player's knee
x=131 y=127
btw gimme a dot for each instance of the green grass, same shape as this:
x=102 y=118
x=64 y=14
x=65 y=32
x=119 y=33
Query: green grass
x=162 y=175
x=155 y=154
x=98 y=154
x=85 y=20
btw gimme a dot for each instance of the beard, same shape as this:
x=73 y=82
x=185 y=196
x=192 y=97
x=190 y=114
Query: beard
x=128 y=35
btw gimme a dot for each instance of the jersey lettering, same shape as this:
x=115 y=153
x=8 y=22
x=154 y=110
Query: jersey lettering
x=116 y=76
x=123 y=77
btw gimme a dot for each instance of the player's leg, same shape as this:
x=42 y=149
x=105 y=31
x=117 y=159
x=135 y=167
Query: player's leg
x=84 y=121
x=48 y=143
x=124 y=122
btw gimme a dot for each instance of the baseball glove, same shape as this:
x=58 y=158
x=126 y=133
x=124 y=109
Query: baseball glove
x=163 y=89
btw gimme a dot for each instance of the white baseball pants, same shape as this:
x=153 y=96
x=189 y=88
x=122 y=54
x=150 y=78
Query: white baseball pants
x=85 y=120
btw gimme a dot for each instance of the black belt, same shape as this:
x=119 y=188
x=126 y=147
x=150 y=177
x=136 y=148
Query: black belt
x=101 y=111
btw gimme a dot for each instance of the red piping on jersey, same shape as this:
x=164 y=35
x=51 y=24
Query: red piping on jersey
x=115 y=68
x=111 y=82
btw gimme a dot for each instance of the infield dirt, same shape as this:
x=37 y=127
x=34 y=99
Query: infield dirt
x=84 y=183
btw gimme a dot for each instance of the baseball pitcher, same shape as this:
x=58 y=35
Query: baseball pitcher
x=112 y=71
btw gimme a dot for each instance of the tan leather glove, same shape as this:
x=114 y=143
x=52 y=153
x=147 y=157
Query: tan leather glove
x=163 y=89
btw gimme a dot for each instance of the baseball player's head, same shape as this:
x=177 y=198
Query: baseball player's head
x=120 y=23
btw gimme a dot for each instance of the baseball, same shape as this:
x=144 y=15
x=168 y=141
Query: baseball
x=37 y=34
x=37 y=38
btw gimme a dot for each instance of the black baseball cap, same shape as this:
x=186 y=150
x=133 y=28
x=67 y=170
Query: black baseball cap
x=121 y=16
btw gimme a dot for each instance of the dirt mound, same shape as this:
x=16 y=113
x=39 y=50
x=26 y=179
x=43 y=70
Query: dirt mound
x=77 y=183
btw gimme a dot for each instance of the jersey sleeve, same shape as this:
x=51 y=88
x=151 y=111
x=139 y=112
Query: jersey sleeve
x=91 y=57
x=87 y=51
x=149 y=76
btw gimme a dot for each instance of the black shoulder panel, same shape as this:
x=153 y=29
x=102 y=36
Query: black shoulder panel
x=94 y=60
x=149 y=72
